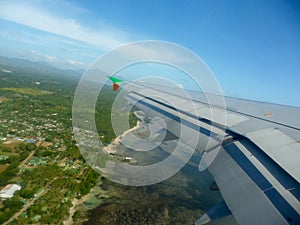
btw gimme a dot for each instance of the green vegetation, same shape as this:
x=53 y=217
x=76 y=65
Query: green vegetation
x=27 y=193
x=10 y=172
x=27 y=91
x=10 y=207
x=37 y=146
x=76 y=215
x=103 y=115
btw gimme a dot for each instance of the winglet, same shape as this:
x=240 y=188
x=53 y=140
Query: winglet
x=116 y=82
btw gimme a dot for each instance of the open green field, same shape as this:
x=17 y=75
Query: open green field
x=10 y=147
x=27 y=91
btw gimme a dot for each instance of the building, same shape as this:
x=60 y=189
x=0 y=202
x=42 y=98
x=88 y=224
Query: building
x=3 y=157
x=9 y=190
x=36 y=161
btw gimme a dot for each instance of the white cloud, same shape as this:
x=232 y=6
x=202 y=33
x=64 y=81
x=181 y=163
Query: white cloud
x=50 y=58
x=180 y=86
x=6 y=71
x=76 y=63
x=35 y=17
x=58 y=61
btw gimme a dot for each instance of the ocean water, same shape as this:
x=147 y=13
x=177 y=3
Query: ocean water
x=179 y=200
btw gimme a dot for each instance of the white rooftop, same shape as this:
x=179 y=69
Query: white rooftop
x=9 y=190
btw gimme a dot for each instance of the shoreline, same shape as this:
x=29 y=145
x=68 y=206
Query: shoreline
x=76 y=203
x=110 y=148
x=79 y=204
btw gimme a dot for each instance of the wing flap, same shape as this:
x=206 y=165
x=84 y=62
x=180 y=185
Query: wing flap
x=280 y=147
x=247 y=202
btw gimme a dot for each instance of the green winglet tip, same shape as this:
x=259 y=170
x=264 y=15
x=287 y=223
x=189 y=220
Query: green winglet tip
x=115 y=80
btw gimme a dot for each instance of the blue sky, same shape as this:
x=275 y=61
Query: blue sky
x=252 y=46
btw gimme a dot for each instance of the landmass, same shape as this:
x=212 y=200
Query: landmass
x=54 y=184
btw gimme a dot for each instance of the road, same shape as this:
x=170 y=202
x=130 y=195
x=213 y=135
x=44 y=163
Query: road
x=25 y=207
x=27 y=159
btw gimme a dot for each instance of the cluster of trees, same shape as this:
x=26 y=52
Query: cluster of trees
x=27 y=147
x=14 y=162
x=42 y=152
x=10 y=207
x=72 y=153
x=11 y=171
x=27 y=193
x=90 y=181
x=76 y=215
x=103 y=114
x=63 y=186
x=41 y=175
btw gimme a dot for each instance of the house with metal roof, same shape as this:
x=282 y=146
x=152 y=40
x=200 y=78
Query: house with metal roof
x=9 y=190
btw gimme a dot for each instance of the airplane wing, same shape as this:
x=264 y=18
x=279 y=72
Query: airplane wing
x=257 y=168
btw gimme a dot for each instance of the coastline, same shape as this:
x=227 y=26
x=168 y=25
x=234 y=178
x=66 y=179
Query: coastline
x=76 y=203
x=90 y=201
x=181 y=199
